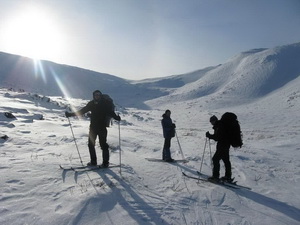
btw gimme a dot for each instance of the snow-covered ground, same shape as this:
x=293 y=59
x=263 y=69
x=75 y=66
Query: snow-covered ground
x=261 y=86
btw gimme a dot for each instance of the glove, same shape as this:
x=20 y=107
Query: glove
x=118 y=118
x=208 y=135
x=69 y=114
x=173 y=125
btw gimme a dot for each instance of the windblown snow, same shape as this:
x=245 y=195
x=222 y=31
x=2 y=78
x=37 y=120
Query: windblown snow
x=261 y=86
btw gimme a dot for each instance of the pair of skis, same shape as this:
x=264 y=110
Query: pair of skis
x=160 y=160
x=204 y=178
x=87 y=168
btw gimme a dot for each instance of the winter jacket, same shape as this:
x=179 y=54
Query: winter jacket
x=168 y=127
x=99 y=111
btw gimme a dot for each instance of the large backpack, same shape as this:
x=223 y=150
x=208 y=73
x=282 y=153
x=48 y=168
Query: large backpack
x=233 y=129
x=110 y=106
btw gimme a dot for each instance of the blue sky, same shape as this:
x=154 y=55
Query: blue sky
x=137 y=39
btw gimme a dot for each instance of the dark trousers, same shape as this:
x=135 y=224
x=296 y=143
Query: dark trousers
x=166 y=150
x=102 y=134
x=222 y=153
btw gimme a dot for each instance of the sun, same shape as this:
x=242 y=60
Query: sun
x=33 y=33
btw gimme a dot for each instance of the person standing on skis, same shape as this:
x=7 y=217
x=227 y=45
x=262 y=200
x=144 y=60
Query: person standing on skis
x=99 y=109
x=168 y=132
x=222 y=150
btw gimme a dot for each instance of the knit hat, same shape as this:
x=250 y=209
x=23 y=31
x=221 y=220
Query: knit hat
x=213 y=119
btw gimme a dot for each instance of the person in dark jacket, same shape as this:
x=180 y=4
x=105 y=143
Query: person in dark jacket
x=222 y=150
x=169 y=132
x=99 y=112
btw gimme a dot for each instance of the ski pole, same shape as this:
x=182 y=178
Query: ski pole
x=120 y=148
x=211 y=162
x=75 y=141
x=203 y=155
x=179 y=146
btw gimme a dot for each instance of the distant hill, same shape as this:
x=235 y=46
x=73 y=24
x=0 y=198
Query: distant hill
x=48 y=78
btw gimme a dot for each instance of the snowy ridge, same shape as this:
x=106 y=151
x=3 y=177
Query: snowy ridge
x=52 y=79
x=244 y=78
x=34 y=190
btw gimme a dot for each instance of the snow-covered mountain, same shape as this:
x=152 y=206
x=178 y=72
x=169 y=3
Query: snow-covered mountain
x=262 y=86
x=249 y=75
x=52 y=79
x=244 y=78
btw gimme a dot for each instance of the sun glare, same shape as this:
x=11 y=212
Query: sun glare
x=34 y=34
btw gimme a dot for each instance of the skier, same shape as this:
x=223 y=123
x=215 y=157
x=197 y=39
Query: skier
x=222 y=150
x=169 y=132
x=99 y=112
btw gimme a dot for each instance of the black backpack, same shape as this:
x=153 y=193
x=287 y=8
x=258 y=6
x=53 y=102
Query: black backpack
x=110 y=105
x=233 y=129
